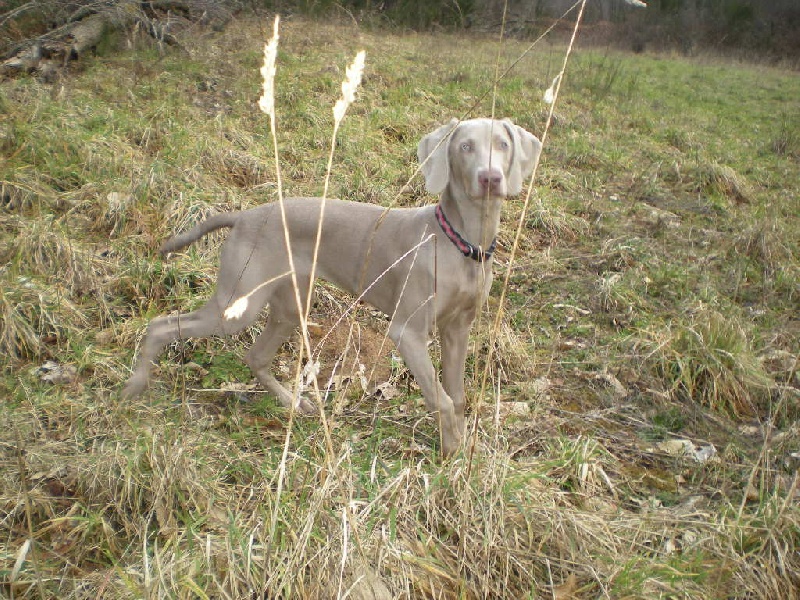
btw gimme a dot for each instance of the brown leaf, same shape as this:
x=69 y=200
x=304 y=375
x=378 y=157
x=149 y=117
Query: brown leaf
x=567 y=590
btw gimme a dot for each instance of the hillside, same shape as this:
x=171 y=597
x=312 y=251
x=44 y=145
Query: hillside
x=635 y=411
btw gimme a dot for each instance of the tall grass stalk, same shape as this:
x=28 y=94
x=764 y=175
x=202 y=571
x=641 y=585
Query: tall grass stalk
x=349 y=87
x=520 y=224
x=496 y=81
x=267 y=105
x=556 y=22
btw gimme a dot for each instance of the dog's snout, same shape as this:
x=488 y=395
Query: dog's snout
x=490 y=179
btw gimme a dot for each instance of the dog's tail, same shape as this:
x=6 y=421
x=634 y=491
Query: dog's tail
x=182 y=240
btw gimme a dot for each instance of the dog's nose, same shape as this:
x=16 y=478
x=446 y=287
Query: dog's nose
x=490 y=179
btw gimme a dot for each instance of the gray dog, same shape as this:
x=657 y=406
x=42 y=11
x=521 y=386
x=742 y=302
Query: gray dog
x=424 y=267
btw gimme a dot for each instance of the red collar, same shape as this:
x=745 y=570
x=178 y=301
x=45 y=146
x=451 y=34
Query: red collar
x=467 y=249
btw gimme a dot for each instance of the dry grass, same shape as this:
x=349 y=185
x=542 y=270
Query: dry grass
x=620 y=331
x=709 y=360
x=184 y=509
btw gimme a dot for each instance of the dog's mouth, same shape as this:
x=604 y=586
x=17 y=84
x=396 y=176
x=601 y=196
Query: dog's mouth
x=494 y=191
x=490 y=183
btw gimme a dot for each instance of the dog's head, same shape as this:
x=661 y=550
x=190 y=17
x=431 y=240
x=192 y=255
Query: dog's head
x=484 y=157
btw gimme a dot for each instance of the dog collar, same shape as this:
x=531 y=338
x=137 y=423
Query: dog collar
x=467 y=249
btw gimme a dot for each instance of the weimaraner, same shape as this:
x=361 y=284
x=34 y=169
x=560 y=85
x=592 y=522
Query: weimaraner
x=424 y=267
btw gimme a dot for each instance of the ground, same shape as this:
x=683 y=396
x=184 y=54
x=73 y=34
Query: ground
x=633 y=381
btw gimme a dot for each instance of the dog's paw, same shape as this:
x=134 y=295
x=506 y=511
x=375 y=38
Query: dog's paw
x=451 y=443
x=133 y=388
x=306 y=406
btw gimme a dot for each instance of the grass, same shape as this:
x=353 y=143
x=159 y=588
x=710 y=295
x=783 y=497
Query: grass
x=654 y=296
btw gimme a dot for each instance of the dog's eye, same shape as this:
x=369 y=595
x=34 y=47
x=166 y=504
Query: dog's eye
x=466 y=147
x=504 y=145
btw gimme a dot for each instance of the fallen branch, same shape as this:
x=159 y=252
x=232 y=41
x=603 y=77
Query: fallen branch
x=84 y=29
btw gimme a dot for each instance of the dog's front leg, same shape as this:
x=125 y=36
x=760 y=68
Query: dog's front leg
x=412 y=345
x=454 y=335
x=279 y=327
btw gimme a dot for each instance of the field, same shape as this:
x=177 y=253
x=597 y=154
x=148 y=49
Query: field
x=634 y=410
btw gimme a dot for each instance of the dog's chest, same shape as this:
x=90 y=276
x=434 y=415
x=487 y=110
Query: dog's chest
x=465 y=289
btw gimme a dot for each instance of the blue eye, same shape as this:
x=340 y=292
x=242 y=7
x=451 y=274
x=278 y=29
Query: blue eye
x=466 y=147
x=504 y=145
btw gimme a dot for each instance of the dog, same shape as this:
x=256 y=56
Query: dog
x=427 y=268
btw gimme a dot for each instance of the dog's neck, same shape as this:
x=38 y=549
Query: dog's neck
x=478 y=222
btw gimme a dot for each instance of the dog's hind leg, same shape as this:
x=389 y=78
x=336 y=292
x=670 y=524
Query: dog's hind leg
x=203 y=322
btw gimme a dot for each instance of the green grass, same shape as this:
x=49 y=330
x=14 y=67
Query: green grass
x=654 y=296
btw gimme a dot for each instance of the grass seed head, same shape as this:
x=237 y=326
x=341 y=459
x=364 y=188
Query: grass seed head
x=349 y=86
x=550 y=94
x=236 y=310
x=267 y=101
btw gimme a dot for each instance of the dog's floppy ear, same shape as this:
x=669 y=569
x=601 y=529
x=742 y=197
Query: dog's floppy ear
x=433 y=155
x=527 y=149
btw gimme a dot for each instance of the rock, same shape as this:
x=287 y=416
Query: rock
x=687 y=448
x=57 y=374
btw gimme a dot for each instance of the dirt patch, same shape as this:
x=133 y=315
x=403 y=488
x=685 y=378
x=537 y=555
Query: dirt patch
x=352 y=350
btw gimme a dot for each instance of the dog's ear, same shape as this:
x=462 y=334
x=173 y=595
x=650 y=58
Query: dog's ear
x=433 y=156
x=527 y=149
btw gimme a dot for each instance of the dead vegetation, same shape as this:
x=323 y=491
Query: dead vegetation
x=75 y=29
x=637 y=436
